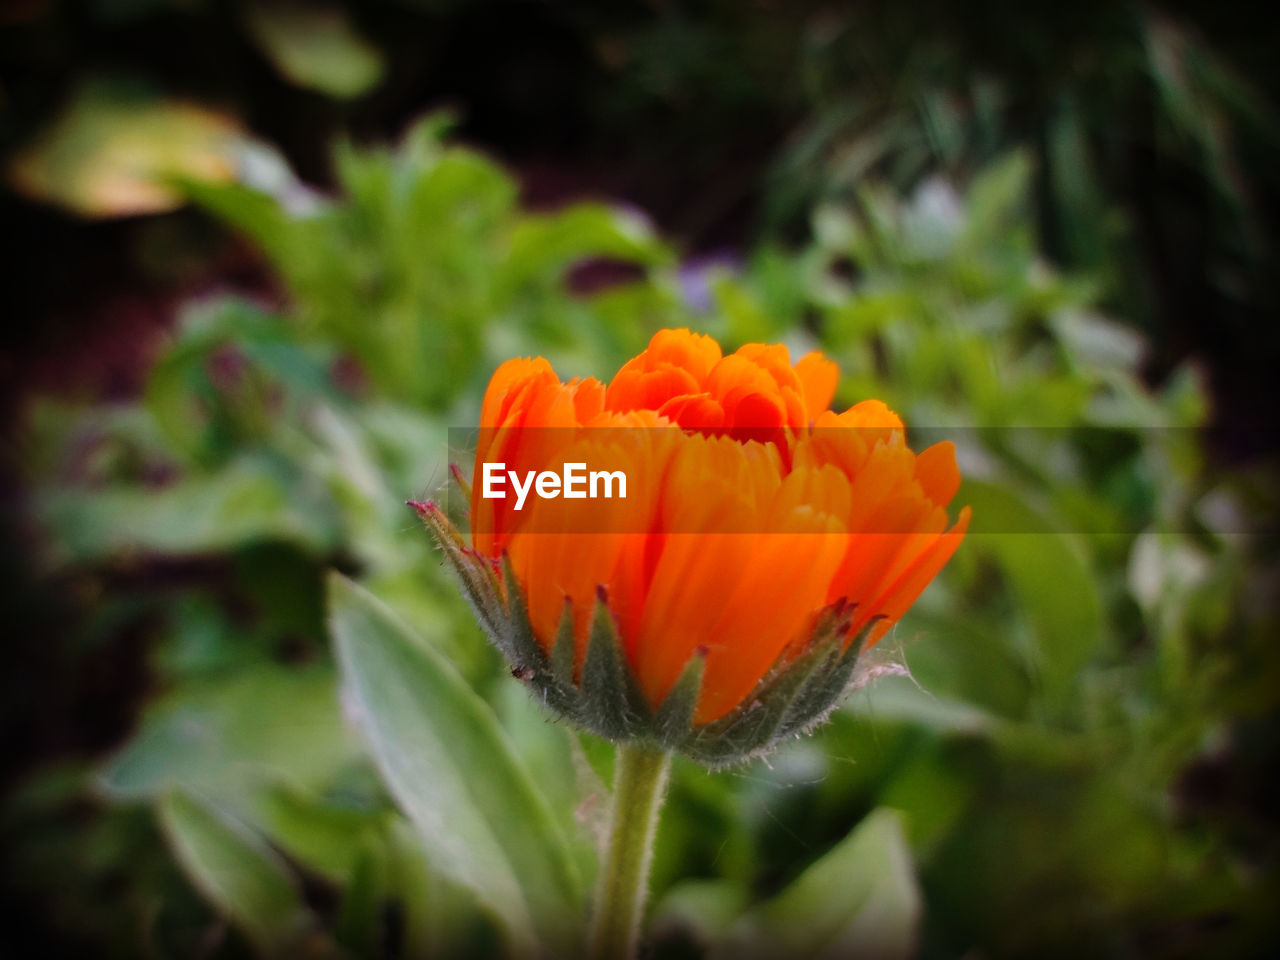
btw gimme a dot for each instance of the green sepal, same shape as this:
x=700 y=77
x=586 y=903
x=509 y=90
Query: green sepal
x=824 y=688
x=551 y=677
x=556 y=685
x=755 y=723
x=564 y=653
x=674 y=719
x=461 y=482
x=475 y=574
x=611 y=700
x=527 y=654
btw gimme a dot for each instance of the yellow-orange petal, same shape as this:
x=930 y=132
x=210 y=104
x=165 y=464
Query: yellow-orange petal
x=567 y=550
x=588 y=399
x=694 y=352
x=937 y=473
x=899 y=596
x=818 y=377
x=537 y=425
x=737 y=377
x=781 y=582
x=649 y=389
x=788 y=390
x=869 y=414
x=694 y=411
x=508 y=382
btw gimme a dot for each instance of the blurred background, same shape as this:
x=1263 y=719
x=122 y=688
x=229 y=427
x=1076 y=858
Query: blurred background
x=263 y=255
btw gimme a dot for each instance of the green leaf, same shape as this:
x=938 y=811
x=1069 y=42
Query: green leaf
x=265 y=376
x=702 y=910
x=440 y=917
x=547 y=747
x=901 y=699
x=860 y=900
x=266 y=723
x=359 y=926
x=454 y=773
x=247 y=500
x=322 y=837
x=237 y=872
x=256 y=213
x=966 y=671
x=1049 y=575
x=117 y=152
x=994 y=197
x=1073 y=177
x=542 y=245
x=315 y=47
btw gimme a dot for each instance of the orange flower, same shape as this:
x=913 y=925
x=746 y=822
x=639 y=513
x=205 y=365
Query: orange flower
x=757 y=523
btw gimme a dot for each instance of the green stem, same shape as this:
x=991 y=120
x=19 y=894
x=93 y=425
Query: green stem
x=639 y=785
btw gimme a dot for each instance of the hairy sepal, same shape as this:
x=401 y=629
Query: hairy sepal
x=604 y=697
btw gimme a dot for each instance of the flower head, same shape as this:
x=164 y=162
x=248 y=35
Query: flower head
x=764 y=543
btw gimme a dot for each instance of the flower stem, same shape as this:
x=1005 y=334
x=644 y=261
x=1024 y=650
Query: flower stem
x=639 y=786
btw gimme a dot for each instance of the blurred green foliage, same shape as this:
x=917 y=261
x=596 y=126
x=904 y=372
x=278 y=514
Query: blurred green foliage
x=1008 y=222
x=1154 y=127
x=1020 y=776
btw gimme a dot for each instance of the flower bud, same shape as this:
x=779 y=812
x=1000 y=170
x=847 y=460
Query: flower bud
x=762 y=545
